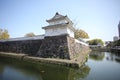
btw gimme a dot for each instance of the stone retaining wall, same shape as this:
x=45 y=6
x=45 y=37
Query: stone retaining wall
x=24 y=46
x=75 y=48
x=49 y=47
x=63 y=47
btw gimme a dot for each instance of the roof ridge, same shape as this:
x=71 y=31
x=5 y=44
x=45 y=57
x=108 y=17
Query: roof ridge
x=57 y=16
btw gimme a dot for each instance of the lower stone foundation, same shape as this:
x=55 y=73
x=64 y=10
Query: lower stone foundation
x=62 y=47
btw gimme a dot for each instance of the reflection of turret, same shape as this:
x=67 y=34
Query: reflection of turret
x=97 y=55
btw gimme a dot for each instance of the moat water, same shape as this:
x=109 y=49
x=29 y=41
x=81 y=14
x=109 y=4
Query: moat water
x=100 y=66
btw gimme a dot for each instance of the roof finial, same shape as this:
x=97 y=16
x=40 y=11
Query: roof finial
x=119 y=24
x=57 y=13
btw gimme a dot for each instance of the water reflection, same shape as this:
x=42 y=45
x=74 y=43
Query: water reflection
x=1 y=71
x=11 y=69
x=100 y=66
x=113 y=57
x=99 y=56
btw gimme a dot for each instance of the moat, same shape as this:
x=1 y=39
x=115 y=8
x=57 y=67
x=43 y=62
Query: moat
x=99 y=66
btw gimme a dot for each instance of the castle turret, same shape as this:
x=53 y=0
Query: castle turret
x=59 y=25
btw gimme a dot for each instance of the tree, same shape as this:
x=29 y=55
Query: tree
x=4 y=34
x=80 y=34
x=95 y=42
x=114 y=44
x=29 y=34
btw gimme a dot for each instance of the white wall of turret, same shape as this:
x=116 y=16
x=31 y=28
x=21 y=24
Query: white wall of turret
x=57 y=22
x=70 y=32
x=59 y=31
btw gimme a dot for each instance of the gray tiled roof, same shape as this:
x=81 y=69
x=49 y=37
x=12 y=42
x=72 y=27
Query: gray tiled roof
x=56 y=25
x=56 y=17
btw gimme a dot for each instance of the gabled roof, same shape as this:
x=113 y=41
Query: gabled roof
x=59 y=25
x=55 y=26
x=56 y=17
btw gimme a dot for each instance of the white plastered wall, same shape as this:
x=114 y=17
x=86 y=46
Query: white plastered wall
x=70 y=32
x=59 y=31
x=55 y=31
x=57 y=22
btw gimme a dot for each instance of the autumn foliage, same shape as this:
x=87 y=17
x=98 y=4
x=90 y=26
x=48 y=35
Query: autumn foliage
x=4 y=34
x=80 y=34
x=29 y=34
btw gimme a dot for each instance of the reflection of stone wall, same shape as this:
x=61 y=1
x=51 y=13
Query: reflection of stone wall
x=63 y=47
x=45 y=71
